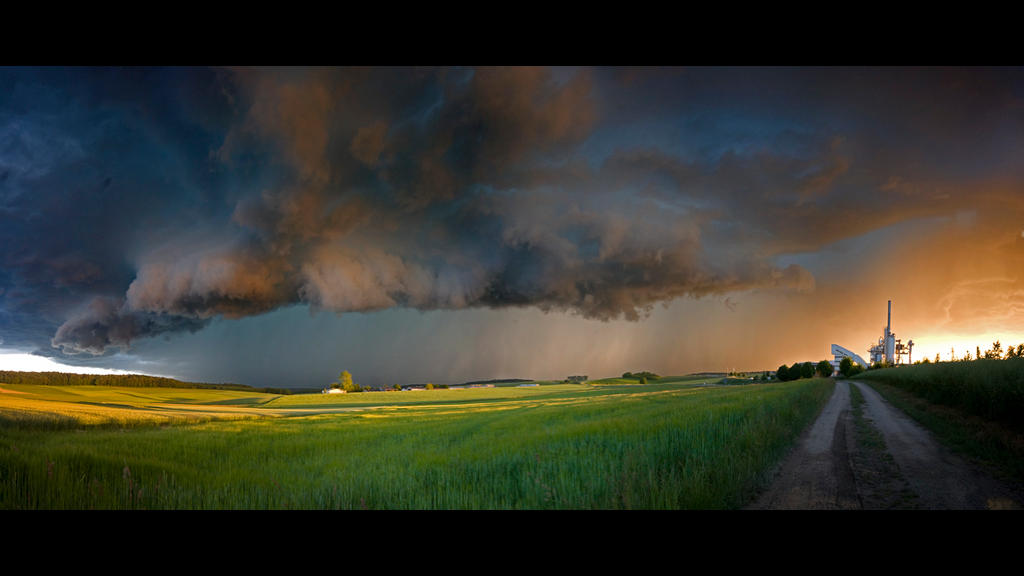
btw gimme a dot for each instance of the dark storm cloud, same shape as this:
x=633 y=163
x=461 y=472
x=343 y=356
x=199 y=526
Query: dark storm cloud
x=137 y=203
x=98 y=164
x=105 y=322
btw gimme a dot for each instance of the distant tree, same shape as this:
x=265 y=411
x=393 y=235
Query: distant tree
x=430 y=386
x=398 y=387
x=344 y=381
x=925 y=361
x=844 y=366
x=937 y=358
x=978 y=350
x=807 y=370
x=825 y=368
x=782 y=373
x=643 y=379
x=638 y=375
x=994 y=353
x=346 y=384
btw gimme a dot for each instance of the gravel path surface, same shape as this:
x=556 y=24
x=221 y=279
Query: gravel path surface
x=876 y=457
x=816 y=475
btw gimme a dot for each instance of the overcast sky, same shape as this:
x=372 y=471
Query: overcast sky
x=277 y=226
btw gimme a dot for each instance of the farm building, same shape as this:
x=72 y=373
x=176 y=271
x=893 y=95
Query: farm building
x=332 y=391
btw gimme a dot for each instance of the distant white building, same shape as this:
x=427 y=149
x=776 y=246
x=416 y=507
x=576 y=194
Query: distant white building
x=332 y=391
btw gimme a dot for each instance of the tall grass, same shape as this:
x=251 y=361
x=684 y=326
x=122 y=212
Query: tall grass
x=647 y=447
x=990 y=389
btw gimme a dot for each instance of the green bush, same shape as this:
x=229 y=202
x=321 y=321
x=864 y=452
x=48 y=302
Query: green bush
x=782 y=373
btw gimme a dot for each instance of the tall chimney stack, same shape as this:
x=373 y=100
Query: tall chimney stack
x=888 y=320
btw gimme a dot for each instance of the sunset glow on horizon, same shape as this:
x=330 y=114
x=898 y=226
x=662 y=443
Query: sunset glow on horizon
x=19 y=362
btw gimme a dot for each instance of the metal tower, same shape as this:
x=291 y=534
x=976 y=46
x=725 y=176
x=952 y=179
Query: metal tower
x=890 y=349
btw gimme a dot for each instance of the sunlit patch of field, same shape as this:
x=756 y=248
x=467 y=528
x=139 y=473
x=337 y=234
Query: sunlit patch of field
x=367 y=399
x=452 y=401
x=91 y=405
x=95 y=405
x=662 y=380
x=562 y=446
x=126 y=395
x=90 y=413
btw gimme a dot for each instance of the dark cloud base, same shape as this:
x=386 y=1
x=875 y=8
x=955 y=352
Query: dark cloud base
x=137 y=203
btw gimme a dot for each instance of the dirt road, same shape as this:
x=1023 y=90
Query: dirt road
x=875 y=457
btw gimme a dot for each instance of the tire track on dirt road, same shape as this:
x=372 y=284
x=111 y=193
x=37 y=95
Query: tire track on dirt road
x=940 y=479
x=830 y=470
x=816 y=475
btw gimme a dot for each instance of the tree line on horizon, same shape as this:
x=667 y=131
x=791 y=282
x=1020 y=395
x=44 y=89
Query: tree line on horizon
x=803 y=370
x=641 y=377
x=993 y=353
x=123 y=380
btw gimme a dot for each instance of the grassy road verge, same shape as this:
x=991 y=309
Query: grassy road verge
x=960 y=406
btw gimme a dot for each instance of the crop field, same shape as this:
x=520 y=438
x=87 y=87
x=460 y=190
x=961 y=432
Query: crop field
x=990 y=389
x=674 y=443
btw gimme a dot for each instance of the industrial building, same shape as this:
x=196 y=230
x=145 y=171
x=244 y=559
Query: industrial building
x=888 y=349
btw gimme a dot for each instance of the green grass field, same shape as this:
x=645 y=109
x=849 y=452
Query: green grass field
x=665 y=445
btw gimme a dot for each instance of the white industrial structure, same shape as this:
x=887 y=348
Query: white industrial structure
x=889 y=349
x=839 y=352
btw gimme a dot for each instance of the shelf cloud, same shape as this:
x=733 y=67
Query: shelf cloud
x=138 y=203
